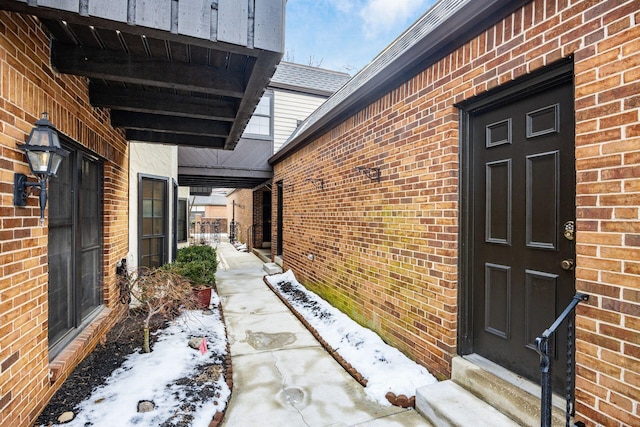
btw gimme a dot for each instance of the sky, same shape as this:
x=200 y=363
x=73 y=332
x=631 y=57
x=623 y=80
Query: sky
x=345 y=35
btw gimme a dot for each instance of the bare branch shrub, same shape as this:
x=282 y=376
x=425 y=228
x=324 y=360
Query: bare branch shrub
x=160 y=292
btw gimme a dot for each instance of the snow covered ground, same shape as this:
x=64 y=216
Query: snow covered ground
x=156 y=376
x=384 y=367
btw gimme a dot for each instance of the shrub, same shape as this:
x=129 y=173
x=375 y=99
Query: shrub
x=197 y=253
x=160 y=292
x=198 y=264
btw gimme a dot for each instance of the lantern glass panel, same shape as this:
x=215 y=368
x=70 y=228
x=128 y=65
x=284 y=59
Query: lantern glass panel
x=39 y=161
x=39 y=137
x=55 y=142
x=55 y=163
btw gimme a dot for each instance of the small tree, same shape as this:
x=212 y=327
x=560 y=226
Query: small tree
x=160 y=292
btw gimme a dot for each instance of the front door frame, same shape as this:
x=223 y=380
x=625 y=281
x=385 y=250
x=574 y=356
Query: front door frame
x=550 y=76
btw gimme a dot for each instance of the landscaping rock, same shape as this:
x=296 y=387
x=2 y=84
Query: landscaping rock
x=146 y=406
x=66 y=417
x=195 y=343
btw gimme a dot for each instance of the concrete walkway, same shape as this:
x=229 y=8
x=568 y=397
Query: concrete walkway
x=281 y=374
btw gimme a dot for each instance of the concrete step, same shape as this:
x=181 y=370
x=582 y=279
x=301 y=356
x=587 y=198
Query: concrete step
x=263 y=254
x=271 y=268
x=446 y=404
x=513 y=395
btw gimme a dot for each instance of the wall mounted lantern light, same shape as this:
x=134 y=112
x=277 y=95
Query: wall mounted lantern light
x=44 y=155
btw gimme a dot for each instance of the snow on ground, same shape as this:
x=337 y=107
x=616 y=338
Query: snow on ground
x=385 y=367
x=155 y=376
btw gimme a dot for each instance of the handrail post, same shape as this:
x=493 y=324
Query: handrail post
x=544 y=347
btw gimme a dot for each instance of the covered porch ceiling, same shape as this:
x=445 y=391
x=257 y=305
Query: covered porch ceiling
x=188 y=73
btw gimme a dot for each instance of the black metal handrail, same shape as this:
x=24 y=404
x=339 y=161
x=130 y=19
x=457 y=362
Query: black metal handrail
x=544 y=347
x=233 y=229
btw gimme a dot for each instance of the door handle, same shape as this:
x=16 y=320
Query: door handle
x=567 y=264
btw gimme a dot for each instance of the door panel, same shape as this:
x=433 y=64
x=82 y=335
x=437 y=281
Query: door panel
x=542 y=188
x=497 y=308
x=522 y=190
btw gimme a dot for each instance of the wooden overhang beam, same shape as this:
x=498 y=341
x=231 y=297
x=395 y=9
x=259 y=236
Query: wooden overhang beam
x=123 y=67
x=175 y=138
x=161 y=123
x=145 y=101
x=83 y=44
x=264 y=67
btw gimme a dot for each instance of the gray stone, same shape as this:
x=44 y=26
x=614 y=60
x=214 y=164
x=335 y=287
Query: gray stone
x=146 y=406
x=66 y=417
x=195 y=343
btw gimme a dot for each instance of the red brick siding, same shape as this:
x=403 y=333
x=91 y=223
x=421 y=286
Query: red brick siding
x=258 y=207
x=28 y=87
x=386 y=253
x=218 y=212
x=249 y=205
x=243 y=212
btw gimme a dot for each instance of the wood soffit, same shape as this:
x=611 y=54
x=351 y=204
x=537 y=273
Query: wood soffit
x=163 y=86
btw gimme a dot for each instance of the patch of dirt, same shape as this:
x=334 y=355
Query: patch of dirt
x=122 y=340
x=298 y=296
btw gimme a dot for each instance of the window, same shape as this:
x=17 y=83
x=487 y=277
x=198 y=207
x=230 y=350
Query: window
x=260 y=124
x=152 y=221
x=75 y=247
x=182 y=220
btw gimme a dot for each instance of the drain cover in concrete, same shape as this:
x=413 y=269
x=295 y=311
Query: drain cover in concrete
x=266 y=341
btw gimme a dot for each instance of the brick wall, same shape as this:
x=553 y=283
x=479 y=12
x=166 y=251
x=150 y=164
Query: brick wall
x=219 y=212
x=258 y=207
x=29 y=86
x=249 y=205
x=386 y=253
x=243 y=212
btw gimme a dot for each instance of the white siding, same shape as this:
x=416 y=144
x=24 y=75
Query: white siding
x=288 y=108
x=150 y=159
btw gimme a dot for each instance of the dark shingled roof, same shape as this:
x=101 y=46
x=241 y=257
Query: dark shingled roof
x=445 y=26
x=308 y=79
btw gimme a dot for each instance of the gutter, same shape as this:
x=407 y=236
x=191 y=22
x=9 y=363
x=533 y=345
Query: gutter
x=443 y=28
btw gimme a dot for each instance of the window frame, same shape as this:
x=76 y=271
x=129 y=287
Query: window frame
x=78 y=321
x=249 y=135
x=185 y=220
